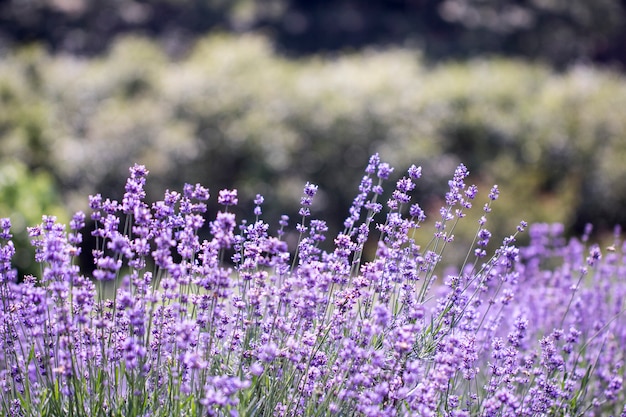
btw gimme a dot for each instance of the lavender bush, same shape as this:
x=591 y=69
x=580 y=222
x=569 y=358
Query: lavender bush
x=170 y=325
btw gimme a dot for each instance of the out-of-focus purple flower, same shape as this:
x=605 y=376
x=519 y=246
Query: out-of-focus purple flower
x=95 y=202
x=494 y=193
x=384 y=170
x=133 y=352
x=186 y=334
x=258 y=200
x=309 y=192
x=5 y=226
x=416 y=211
x=405 y=185
x=373 y=164
x=7 y=251
x=196 y=192
x=483 y=237
x=456 y=185
x=107 y=268
x=227 y=197
x=377 y=189
x=268 y=352
x=135 y=193
x=401 y=197
x=220 y=391
x=283 y=222
x=77 y=223
x=381 y=316
x=415 y=172
x=509 y=256
x=471 y=192
x=594 y=255
x=222 y=229
x=522 y=226
x=613 y=388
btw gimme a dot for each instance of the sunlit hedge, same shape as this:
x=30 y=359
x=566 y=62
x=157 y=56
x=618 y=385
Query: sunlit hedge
x=232 y=112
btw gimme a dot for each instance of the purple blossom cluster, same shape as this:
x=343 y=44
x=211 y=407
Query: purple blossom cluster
x=241 y=324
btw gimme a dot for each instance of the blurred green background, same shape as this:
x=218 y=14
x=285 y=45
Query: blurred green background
x=266 y=95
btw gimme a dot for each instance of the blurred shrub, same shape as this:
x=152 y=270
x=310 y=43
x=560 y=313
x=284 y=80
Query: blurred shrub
x=24 y=197
x=25 y=108
x=233 y=113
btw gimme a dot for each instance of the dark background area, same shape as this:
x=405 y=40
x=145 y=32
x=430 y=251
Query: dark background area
x=560 y=32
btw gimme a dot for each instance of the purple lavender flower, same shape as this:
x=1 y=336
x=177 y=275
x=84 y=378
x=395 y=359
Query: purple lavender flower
x=134 y=189
x=5 y=225
x=456 y=184
x=494 y=193
x=384 y=170
x=133 y=352
x=222 y=229
x=196 y=192
x=236 y=323
x=258 y=200
x=415 y=172
x=7 y=251
x=372 y=166
x=594 y=255
x=483 y=237
x=309 y=192
x=417 y=212
x=227 y=197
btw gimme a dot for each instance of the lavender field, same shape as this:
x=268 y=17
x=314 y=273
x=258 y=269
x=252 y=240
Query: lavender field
x=249 y=322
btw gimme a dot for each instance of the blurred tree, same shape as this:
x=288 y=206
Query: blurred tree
x=88 y=27
x=556 y=31
x=559 y=32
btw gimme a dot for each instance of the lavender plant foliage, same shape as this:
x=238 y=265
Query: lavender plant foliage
x=241 y=324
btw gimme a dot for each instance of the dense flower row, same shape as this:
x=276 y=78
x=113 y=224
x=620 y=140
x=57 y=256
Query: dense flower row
x=170 y=325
